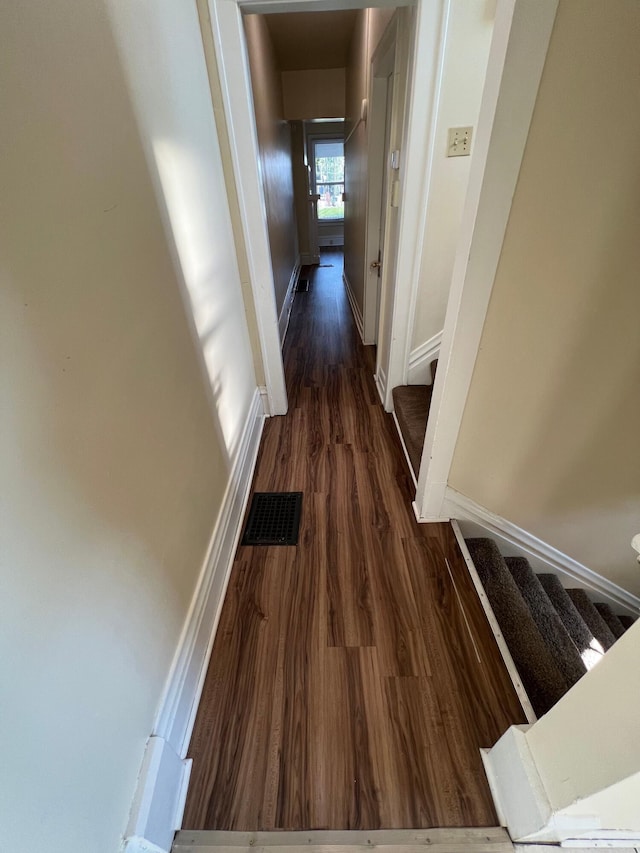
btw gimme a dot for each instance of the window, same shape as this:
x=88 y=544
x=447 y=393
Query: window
x=328 y=173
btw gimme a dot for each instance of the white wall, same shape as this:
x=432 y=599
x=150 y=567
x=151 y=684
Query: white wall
x=549 y=434
x=115 y=450
x=465 y=62
x=576 y=772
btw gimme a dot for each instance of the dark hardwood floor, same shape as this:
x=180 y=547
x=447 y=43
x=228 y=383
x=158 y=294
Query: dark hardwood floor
x=345 y=690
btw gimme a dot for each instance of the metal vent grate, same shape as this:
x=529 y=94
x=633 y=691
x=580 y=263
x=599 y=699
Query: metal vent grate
x=274 y=519
x=303 y=285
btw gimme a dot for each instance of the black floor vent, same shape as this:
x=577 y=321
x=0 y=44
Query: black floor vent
x=303 y=285
x=274 y=519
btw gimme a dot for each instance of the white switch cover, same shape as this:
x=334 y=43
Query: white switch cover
x=459 y=141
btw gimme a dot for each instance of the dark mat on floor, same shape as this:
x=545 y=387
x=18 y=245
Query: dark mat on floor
x=594 y=620
x=616 y=626
x=411 y=404
x=578 y=629
x=554 y=633
x=626 y=621
x=541 y=678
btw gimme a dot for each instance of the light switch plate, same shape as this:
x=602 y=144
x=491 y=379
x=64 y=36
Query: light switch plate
x=459 y=141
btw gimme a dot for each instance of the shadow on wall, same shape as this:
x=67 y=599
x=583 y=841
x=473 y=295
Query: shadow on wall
x=117 y=443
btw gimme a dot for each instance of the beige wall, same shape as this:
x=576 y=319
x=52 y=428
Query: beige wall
x=274 y=136
x=314 y=93
x=469 y=32
x=369 y=27
x=587 y=748
x=549 y=437
x=115 y=314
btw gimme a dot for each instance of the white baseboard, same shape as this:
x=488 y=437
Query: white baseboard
x=264 y=396
x=380 y=379
x=476 y=520
x=331 y=242
x=355 y=308
x=159 y=802
x=419 y=372
x=162 y=783
x=404 y=448
x=177 y=711
x=285 y=313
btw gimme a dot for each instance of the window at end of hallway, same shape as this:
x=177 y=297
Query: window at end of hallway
x=328 y=170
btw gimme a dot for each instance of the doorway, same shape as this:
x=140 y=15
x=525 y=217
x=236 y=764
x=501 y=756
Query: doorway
x=419 y=54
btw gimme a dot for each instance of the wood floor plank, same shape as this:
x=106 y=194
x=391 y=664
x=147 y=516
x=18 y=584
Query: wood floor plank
x=353 y=677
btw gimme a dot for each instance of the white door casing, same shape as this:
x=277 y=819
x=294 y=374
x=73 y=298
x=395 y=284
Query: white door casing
x=519 y=47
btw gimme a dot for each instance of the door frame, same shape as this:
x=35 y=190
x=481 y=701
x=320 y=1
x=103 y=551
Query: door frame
x=313 y=136
x=382 y=66
x=521 y=36
x=235 y=81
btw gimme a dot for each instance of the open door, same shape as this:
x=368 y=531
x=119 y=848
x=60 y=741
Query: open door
x=379 y=121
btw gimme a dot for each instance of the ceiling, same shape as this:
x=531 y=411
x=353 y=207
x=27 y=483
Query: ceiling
x=304 y=40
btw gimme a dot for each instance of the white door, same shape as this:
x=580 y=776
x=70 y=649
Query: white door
x=379 y=120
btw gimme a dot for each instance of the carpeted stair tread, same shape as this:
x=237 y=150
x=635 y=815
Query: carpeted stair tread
x=551 y=627
x=411 y=404
x=626 y=621
x=616 y=626
x=541 y=677
x=594 y=620
x=433 y=367
x=578 y=629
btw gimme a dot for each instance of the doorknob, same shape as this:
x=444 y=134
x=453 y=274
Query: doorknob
x=375 y=265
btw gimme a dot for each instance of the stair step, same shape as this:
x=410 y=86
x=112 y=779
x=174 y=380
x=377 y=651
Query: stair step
x=578 y=629
x=411 y=404
x=626 y=621
x=433 y=367
x=541 y=677
x=551 y=627
x=594 y=620
x=616 y=626
x=455 y=840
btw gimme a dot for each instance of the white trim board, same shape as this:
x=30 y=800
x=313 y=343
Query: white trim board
x=159 y=801
x=355 y=308
x=287 y=305
x=380 y=378
x=419 y=147
x=518 y=686
x=331 y=241
x=519 y=47
x=227 y=32
x=476 y=520
x=420 y=359
x=177 y=711
x=404 y=448
x=161 y=791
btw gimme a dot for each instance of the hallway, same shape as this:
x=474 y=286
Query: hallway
x=344 y=689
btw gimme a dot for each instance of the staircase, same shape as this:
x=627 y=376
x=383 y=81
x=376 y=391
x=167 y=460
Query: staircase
x=554 y=634
x=411 y=404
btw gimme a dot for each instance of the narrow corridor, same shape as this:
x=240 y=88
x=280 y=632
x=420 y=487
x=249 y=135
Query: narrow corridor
x=344 y=689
